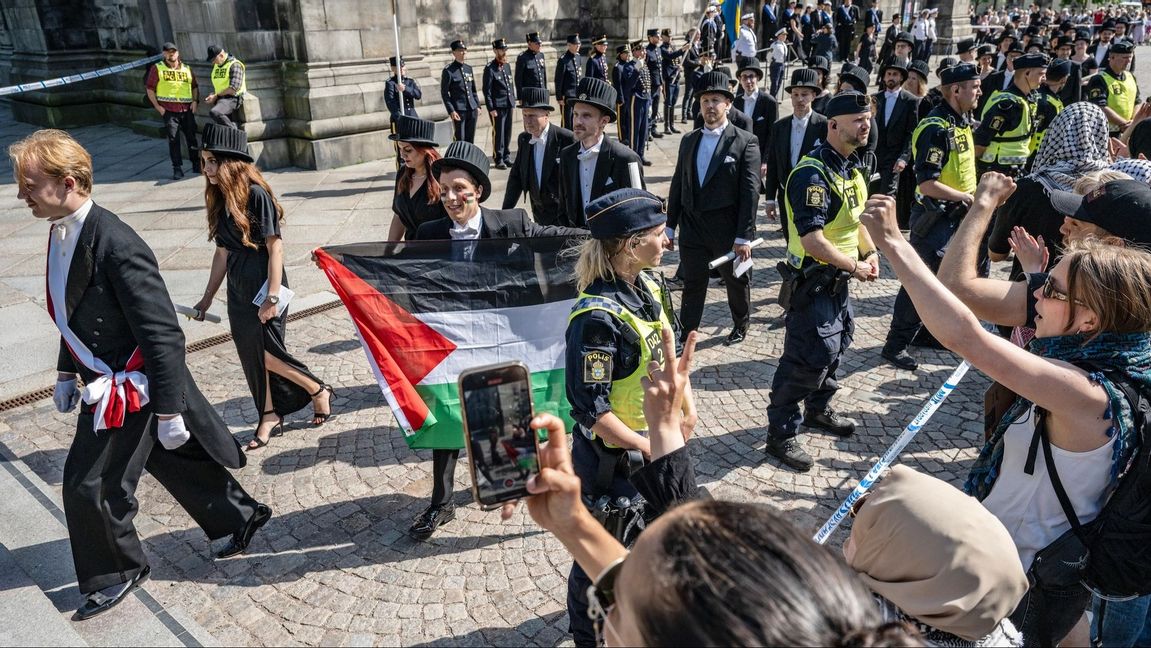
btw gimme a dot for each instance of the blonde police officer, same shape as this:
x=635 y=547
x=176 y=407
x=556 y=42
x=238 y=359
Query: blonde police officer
x=826 y=247
x=614 y=331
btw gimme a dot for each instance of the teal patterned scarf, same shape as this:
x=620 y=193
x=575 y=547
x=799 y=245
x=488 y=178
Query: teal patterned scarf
x=1128 y=354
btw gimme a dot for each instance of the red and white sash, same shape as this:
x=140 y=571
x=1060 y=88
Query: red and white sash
x=115 y=393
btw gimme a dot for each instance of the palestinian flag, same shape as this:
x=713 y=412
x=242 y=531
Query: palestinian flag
x=425 y=311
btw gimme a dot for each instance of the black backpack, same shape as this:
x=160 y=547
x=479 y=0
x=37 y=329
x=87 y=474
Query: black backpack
x=1115 y=555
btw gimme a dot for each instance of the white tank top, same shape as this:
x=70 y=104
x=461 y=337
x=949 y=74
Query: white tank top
x=1027 y=504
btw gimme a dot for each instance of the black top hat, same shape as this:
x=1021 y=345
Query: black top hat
x=534 y=37
x=392 y=61
x=470 y=158
x=899 y=64
x=573 y=39
x=856 y=77
x=458 y=45
x=1015 y=46
x=714 y=82
x=905 y=37
x=1108 y=25
x=965 y=45
x=213 y=52
x=1007 y=33
x=804 y=78
x=414 y=131
x=984 y=50
x=751 y=66
x=500 y=44
x=595 y=92
x=1082 y=35
x=535 y=98
x=226 y=142
x=666 y=31
x=944 y=63
x=1037 y=41
x=820 y=63
x=920 y=68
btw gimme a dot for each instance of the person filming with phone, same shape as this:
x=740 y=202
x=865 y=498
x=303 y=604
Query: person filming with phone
x=614 y=333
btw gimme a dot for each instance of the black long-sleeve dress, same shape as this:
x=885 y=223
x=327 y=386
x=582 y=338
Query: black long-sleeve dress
x=247 y=272
x=414 y=211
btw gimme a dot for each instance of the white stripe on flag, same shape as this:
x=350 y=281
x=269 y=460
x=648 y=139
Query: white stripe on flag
x=533 y=335
x=401 y=419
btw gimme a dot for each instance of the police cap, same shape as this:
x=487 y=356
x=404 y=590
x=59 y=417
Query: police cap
x=1058 y=70
x=1123 y=46
x=848 y=102
x=624 y=212
x=620 y=49
x=392 y=61
x=573 y=39
x=458 y=45
x=1030 y=61
x=652 y=32
x=534 y=37
x=958 y=74
x=500 y=44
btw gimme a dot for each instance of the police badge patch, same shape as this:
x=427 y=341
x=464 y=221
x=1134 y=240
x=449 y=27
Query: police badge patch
x=935 y=155
x=996 y=123
x=816 y=196
x=597 y=367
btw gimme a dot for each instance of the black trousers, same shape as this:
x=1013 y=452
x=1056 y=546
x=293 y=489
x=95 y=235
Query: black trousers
x=568 y=106
x=465 y=128
x=693 y=259
x=443 y=475
x=843 y=38
x=653 y=117
x=224 y=109
x=670 y=104
x=176 y=123
x=815 y=338
x=99 y=491
x=501 y=135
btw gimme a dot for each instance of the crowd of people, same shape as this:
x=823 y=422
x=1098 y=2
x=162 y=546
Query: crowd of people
x=1030 y=149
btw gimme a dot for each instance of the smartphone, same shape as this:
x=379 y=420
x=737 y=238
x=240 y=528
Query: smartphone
x=503 y=450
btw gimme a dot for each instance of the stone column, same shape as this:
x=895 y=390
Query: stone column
x=953 y=24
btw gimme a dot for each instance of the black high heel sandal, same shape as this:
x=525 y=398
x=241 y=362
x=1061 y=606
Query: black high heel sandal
x=277 y=430
x=319 y=418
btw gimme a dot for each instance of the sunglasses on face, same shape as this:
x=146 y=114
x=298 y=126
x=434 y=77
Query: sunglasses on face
x=1050 y=292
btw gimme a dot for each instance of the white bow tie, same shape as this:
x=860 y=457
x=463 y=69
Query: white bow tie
x=465 y=233
x=536 y=140
x=587 y=155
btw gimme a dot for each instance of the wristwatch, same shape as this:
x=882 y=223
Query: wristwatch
x=274 y=299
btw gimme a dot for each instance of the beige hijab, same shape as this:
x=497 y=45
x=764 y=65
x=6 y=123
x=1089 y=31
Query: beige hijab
x=937 y=554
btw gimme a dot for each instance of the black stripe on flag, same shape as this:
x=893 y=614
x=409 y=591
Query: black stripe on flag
x=446 y=276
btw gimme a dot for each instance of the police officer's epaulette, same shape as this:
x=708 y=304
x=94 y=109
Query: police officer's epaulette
x=597 y=302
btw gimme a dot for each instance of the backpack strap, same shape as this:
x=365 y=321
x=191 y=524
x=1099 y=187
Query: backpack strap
x=1053 y=475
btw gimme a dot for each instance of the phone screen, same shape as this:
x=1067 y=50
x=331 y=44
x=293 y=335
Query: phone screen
x=502 y=449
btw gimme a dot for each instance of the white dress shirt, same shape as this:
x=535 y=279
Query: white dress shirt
x=587 y=162
x=889 y=96
x=749 y=101
x=61 y=247
x=538 y=145
x=470 y=230
x=707 y=145
x=798 y=128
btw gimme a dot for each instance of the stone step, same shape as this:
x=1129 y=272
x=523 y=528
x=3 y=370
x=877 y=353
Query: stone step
x=38 y=592
x=148 y=127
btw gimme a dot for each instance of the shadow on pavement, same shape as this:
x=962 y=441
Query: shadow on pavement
x=531 y=632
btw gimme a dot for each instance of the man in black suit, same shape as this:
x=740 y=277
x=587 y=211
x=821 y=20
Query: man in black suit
x=465 y=185
x=142 y=409
x=845 y=29
x=714 y=196
x=595 y=165
x=537 y=166
x=762 y=108
x=897 y=113
x=793 y=137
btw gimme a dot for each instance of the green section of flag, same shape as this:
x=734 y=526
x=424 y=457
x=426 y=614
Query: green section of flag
x=443 y=401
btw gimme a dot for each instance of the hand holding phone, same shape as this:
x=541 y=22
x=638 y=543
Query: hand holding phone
x=503 y=451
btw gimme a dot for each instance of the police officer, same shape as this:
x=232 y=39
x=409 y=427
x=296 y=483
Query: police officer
x=173 y=92
x=826 y=248
x=633 y=83
x=1049 y=102
x=943 y=155
x=654 y=60
x=672 y=73
x=614 y=332
x=596 y=66
x=1003 y=139
x=569 y=70
x=530 y=72
x=499 y=95
x=229 y=85
x=458 y=91
x=1115 y=89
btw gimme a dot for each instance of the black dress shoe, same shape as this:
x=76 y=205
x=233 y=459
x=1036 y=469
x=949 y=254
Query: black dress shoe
x=177 y=173
x=790 y=452
x=737 y=335
x=829 y=421
x=103 y=600
x=501 y=166
x=431 y=519
x=674 y=130
x=647 y=162
x=242 y=538
x=656 y=134
x=901 y=359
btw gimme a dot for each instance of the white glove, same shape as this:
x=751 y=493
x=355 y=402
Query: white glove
x=65 y=395
x=172 y=433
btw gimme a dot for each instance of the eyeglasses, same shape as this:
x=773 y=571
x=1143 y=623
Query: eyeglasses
x=601 y=598
x=1050 y=292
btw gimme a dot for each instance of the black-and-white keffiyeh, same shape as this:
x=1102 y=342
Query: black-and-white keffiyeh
x=1076 y=143
x=1138 y=169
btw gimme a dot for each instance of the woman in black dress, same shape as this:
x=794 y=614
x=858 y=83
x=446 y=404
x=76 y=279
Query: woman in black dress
x=244 y=220
x=416 y=199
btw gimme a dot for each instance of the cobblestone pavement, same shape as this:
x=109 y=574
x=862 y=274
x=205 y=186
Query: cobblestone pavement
x=334 y=565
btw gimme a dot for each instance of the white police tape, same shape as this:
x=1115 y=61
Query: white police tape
x=74 y=78
x=892 y=453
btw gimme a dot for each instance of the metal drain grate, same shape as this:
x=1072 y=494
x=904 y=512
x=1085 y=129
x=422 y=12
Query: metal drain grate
x=207 y=343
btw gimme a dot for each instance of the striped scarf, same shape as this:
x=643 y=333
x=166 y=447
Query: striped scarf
x=1128 y=354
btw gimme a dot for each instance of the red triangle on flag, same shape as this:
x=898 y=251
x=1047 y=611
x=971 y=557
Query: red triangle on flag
x=404 y=349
